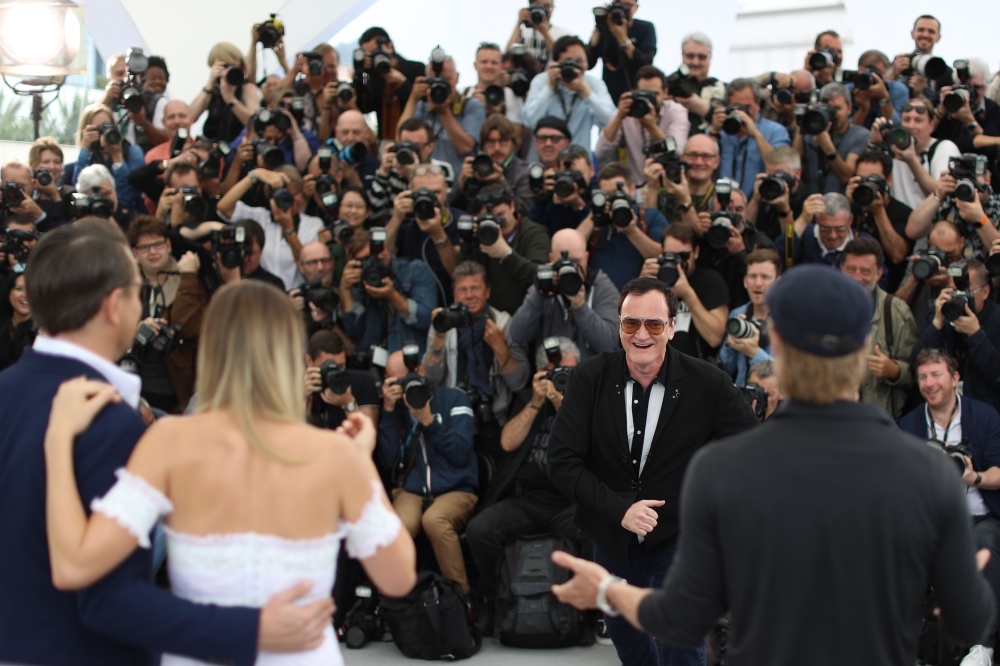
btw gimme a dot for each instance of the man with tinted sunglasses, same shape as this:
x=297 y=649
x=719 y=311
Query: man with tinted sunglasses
x=628 y=425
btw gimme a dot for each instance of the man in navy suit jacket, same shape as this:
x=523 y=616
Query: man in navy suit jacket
x=84 y=287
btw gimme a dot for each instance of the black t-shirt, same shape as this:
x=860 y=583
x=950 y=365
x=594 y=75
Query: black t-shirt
x=264 y=276
x=898 y=213
x=954 y=130
x=365 y=394
x=712 y=292
x=768 y=220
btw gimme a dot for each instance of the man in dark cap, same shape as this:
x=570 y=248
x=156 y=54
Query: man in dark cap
x=551 y=136
x=821 y=530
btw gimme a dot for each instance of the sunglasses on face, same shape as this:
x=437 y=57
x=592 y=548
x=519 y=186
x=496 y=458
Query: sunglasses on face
x=919 y=108
x=696 y=56
x=630 y=325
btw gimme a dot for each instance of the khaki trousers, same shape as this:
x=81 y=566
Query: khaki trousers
x=441 y=522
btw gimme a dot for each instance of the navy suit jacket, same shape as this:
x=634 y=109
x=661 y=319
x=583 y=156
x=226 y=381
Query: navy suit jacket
x=121 y=619
x=981 y=427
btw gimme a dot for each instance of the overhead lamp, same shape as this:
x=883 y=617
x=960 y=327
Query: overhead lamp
x=41 y=38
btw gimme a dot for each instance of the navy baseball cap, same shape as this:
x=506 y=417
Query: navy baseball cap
x=821 y=311
x=553 y=122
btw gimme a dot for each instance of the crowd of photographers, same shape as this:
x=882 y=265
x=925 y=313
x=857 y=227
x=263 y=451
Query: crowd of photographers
x=455 y=250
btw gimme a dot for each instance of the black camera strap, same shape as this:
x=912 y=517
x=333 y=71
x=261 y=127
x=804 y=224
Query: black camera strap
x=930 y=418
x=567 y=111
x=890 y=338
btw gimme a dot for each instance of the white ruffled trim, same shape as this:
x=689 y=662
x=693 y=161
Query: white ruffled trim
x=134 y=505
x=377 y=526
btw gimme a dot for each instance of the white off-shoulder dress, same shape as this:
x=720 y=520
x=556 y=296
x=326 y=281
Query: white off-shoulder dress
x=246 y=569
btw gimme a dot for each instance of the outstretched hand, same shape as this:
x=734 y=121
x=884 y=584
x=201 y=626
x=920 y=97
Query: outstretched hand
x=580 y=591
x=75 y=406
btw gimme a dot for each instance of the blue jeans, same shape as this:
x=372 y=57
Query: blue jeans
x=646 y=568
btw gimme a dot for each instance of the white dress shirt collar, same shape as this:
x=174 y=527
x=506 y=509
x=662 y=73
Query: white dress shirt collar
x=128 y=385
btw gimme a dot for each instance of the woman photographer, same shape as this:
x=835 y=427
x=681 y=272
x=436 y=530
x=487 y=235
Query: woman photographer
x=16 y=328
x=228 y=97
x=100 y=141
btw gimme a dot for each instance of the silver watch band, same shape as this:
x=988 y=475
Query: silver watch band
x=602 y=595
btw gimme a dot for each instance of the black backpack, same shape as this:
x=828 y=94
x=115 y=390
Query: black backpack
x=433 y=621
x=527 y=613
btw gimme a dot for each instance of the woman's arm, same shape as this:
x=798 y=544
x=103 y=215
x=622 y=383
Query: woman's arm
x=81 y=551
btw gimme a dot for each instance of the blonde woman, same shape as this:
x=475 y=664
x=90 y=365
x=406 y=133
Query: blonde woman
x=255 y=500
x=228 y=97
x=100 y=142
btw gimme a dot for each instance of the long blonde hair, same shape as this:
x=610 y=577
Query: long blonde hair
x=251 y=359
x=86 y=116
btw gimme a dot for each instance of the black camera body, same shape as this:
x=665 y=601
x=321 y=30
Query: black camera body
x=363 y=623
x=314 y=62
x=334 y=377
x=615 y=12
x=538 y=14
x=823 y=58
x=210 y=167
x=620 y=208
x=817 y=118
x=957 y=452
x=519 y=81
x=744 y=328
x=14 y=243
x=341 y=230
x=928 y=262
x=270 y=155
x=862 y=80
x=775 y=185
x=562 y=277
x=756 y=397
x=567 y=182
x=425 y=203
x=407 y=153
x=488 y=227
x=231 y=244
x=482 y=166
x=719 y=233
x=265 y=118
x=681 y=83
x=455 y=315
x=194 y=204
x=958 y=97
x=664 y=152
x=13 y=194
x=110 y=133
x=733 y=123
x=482 y=407
x=438 y=87
x=643 y=101
x=896 y=135
x=381 y=60
x=559 y=378
x=373 y=271
x=283 y=198
x=871 y=187
x=323 y=297
x=158 y=343
x=270 y=32
x=569 y=69
x=416 y=390
x=967 y=169
x=42 y=176
x=131 y=95
x=955 y=308
x=671 y=266
x=97 y=205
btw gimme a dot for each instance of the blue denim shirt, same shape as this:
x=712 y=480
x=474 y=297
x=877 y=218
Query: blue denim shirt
x=736 y=363
x=741 y=159
x=363 y=323
x=898 y=93
x=471 y=119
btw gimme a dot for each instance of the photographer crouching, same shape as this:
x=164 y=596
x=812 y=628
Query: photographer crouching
x=333 y=392
x=468 y=348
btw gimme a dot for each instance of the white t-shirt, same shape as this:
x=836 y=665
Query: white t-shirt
x=276 y=256
x=977 y=507
x=904 y=184
x=128 y=127
x=536 y=44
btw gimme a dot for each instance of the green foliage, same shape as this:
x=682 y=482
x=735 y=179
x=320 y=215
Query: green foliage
x=59 y=120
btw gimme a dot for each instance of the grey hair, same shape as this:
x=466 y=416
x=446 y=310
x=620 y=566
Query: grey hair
x=741 y=84
x=762 y=369
x=833 y=89
x=93 y=177
x=784 y=155
x=468 y=269
x=429 y=169
x=697 y=37
x=836 y=204
x=868 y=55
x=565 y=345
x=979 y=67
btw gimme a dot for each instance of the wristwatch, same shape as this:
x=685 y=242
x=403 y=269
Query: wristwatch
x=350 y=407
x=624 y=45
x=685 y=207
x=831 y=157
x=885 y=101
x=979 y=479
x=972 y=126
x=602 y=595
x=287 y=233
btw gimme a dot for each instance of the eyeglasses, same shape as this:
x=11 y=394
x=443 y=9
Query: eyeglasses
x=832 y=230
x=496 y=142
x=704 y=157
x=158 y=245
x=919 y=108
x=696 y=56
x=550 y=138
x=630 y=325
x=313 y=263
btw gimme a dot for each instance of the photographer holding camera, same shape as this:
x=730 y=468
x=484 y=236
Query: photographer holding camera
x=746 y=346
x=743 y=159
x=622 y=233
x=20 y=195
x=286 y=228
x=951 y=419
x=702 y=293
x=251 y=268
x=831 y=154
x=173 y=303
x=923 y=156
x=764 y=375
x=98 y=197
x=143 y=127
x=966 y=324
x=18 y=238
x=893 y=332
x=535 y=31
x=383 y=80
x=926 y=33
x=968 y=117
x=974 y=205
x=316 y=265
x=333 y=392
x=521 y=499
x=455 y=122
x=492 y=87
x=551 y=138
x=567 y=90
x=694 y=88
x=276 y=125
x=468 y=347
x=785 y=193
x=509 y=246
x=563 y=198
x=569 y=300
x=317 y=85
x=682 y=200
x=101 y=142
x=425 y=441
x=228 y=97
x=825 y=57
x=630 y=132
x=624 y=42
x=820 y=234
x=497 y=163
x=881 y=215
x=385 y=300
x=182 y=201
x=883 y=98
x=413 y=147
x=176 y=116
x=785 y=91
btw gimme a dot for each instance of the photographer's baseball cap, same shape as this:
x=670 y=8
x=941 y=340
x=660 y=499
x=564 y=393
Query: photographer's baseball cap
x=552 y=122
x=819 y=310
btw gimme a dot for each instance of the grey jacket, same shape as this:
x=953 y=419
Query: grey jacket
x=593 y=326
x=442 y=369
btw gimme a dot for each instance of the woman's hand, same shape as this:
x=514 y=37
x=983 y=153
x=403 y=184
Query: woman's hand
x=360 y=428
x=75 y=406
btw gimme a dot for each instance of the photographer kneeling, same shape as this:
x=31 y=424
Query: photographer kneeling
x=468 y=348
x=333 y=392
x=966 y=324
x=971 y=431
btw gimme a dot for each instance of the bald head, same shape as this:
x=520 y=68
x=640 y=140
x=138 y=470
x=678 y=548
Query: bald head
x=351 y=127
x=395 y=367
x=701 y=143
x=569 y=240
x=314 y=262
x=176 y=114
x=803 y=80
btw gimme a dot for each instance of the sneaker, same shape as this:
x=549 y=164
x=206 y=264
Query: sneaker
x=978 y=656
x=603 y=639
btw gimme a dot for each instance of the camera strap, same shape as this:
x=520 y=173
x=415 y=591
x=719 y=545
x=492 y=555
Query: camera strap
x=789 y=245
x=567 y=111
x=930 y=418
x=887 y=323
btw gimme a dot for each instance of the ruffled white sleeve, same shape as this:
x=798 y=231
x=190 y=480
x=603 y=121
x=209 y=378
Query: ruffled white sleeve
x=133 y=504
x=377 y=526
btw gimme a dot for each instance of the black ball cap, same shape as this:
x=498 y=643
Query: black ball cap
x=553 y=122
x=819 y=310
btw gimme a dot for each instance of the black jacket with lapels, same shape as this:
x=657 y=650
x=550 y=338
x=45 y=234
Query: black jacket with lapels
x=589 y=451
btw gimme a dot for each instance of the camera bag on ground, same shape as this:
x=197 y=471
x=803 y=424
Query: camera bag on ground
x=527 y=613
x=933 y=647
x=432 y=621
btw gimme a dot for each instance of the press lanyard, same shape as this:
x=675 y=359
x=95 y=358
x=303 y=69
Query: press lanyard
x=950 y=419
